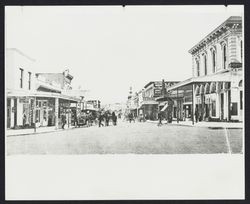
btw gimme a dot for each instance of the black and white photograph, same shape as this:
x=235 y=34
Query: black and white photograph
x=110 y=86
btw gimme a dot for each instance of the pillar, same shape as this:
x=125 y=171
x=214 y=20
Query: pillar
x=56 y=112
x=193 y=102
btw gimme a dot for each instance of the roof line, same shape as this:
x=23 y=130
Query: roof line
x=231 y=18
x=21 y=53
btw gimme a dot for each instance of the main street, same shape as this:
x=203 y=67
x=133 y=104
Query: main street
x=125 y=138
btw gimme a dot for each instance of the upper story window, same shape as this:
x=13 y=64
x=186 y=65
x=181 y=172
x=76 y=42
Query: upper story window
x=205 y=64
x=29 y=82
x=197 y=67
x=21 y=78
x=224 y=55
x=213 y=54
x=241 y=51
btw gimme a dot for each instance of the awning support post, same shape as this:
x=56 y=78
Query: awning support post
x=193 y=105
x=35 y=115
x=56 y=112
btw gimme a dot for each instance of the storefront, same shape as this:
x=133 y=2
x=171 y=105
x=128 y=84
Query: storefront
x=214 y=97
x=24 y=110
x=20 y=112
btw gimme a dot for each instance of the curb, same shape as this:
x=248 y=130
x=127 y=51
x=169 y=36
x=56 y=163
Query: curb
x=209 y=127
x=36 y=133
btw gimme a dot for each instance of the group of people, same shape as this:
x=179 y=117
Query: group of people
x=106 y=117
x=89 y=119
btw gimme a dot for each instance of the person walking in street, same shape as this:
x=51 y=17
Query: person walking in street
x=106 y=116
x=130 y=117
x=63 y=118
x=114 y=118
x=100 y=119
x=160 y=118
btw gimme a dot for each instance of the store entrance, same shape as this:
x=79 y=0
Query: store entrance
x=42 y=112
x=222 y=106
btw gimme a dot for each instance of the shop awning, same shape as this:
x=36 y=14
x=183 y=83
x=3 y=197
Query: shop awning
x=218 y=77
x=21 y=93
x=149 y=103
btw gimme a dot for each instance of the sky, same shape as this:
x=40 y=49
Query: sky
x=111 y=48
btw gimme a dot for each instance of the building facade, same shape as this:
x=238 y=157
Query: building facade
x=19 y=84
x=217 y=92
x=35 y=99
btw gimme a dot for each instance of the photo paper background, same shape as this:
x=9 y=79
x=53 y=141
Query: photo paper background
x=104 y=47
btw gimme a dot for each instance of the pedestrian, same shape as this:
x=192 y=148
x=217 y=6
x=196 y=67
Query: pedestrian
x=106 y=116
x=160 y=118
x=63 y=118
x=100 y=118
x=114 y=118
x=130 y=117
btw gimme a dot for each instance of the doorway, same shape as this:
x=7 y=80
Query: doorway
x=15 y=112
x=222 y=106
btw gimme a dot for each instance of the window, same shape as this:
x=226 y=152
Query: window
x=21 y=78
x=205 y=64
x=213 y=108
x=234 y=109
x=213 y=60
x=224 y=50
x=198 y=67
x=241 y=53
x=29 y=82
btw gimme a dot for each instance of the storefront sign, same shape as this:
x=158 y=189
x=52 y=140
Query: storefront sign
x=158 y=84
x=23 y=100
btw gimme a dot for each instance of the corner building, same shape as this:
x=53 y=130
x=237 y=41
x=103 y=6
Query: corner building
x=217 y=92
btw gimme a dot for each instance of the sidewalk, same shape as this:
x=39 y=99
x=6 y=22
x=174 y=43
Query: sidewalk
x=211 y=125
x=12 y=132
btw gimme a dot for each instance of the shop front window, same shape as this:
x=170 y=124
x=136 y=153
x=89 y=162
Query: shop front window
x=234 y=109
x=213 y=108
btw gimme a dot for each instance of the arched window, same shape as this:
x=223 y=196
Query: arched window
x=213 y=54
x=224 y=55
x=240 y=83
x=197 y=67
